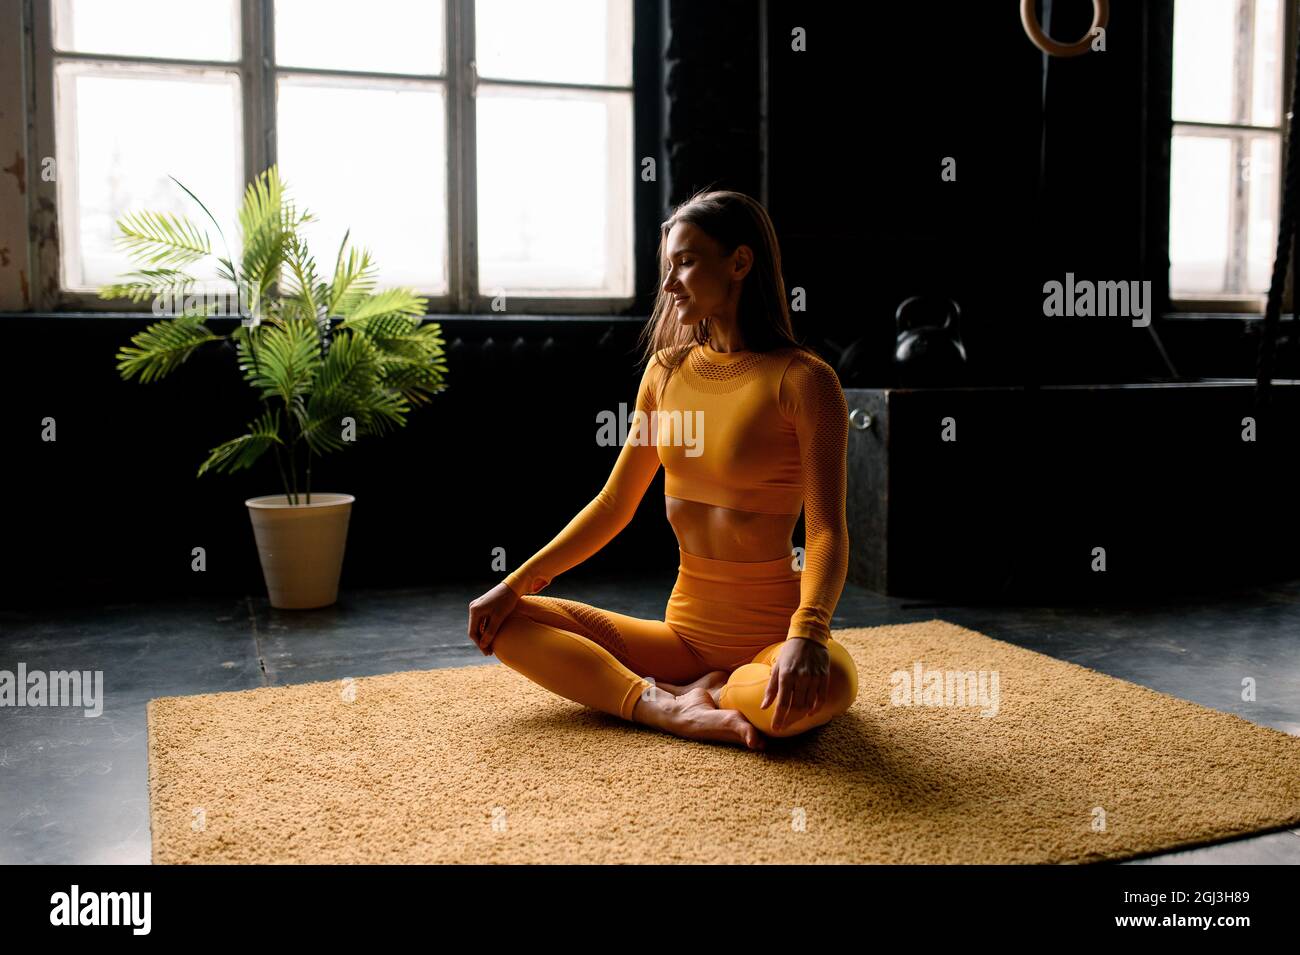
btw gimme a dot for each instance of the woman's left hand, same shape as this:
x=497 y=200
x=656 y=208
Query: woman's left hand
x=800 y=683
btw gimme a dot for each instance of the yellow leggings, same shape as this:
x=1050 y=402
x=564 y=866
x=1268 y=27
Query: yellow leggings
x=721 y=615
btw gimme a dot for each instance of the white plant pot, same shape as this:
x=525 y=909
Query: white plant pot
x=301 y=546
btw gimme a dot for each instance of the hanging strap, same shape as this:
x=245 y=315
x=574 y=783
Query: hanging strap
x=1285 y=232
x=1042 y=147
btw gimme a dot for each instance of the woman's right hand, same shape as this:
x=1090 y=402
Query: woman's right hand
x=488 y=613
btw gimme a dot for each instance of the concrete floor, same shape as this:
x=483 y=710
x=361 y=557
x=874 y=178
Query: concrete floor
x=74 y=790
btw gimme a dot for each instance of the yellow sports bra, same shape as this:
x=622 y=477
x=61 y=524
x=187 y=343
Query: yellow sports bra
x=755 y=431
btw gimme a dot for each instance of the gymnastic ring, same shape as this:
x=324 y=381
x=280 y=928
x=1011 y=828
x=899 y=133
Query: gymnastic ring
x=1028 y=17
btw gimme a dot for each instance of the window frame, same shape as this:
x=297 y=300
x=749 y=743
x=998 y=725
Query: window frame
x=257 y=73
x=1238 y=303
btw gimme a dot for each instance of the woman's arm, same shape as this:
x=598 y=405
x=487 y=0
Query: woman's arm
x=609 y=511
x=812 y=397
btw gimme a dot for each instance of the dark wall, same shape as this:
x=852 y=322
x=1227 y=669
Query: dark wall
x=860 y=126
x=843 y=142
x=112 y=509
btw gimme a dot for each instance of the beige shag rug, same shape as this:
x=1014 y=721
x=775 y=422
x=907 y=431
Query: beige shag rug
x=1036 y=761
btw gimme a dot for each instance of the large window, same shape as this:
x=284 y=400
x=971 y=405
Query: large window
x=481 y=149
x=1229 y=89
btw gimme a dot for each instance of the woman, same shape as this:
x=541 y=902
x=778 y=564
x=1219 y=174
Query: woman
x=750 y=427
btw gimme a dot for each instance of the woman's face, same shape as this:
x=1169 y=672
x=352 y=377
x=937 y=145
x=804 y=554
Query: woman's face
x=702 y=281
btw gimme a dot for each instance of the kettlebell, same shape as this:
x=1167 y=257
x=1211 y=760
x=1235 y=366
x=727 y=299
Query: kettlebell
x=928 y=354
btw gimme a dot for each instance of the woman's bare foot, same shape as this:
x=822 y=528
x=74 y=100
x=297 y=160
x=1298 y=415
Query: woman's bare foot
x=712 y=681
x=695 y=715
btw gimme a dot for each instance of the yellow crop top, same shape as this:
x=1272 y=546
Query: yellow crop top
x=754 y=431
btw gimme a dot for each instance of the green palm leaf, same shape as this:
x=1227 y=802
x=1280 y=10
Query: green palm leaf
x=162 y=238
x=150 y=283
x=268 y=222
x=416 y=379
x=287 y=359
x=243 y=452
x=302 y=285
x=263 y=202
x=354 y=280
x=413 y=357
x=164 y=346
x=349 y=385
x=400 y=300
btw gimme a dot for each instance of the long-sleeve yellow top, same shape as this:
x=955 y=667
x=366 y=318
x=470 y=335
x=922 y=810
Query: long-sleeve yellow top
x=764 y=432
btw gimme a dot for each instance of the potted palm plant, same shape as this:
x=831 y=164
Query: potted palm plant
x=330 y=361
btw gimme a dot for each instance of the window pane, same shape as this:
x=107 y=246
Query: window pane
x=1200 y=179
x=370 y=157
x=555 y=217
x=1266 y=85
x=195 y=29
x=1262 y=174
x=119 y=157
x=578 y=41
x=1204 y=32
x=386 y=36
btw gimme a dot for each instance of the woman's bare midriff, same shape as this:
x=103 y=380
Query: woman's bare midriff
x=723 y=533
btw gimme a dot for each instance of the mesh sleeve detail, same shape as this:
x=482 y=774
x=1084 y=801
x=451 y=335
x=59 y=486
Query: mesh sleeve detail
x=609 y=511
x=812 y=398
